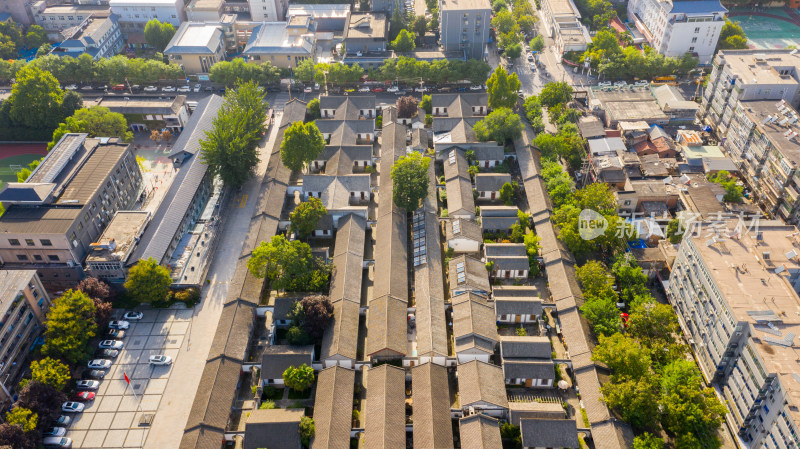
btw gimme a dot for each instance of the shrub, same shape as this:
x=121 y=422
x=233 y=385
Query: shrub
x=267 y=405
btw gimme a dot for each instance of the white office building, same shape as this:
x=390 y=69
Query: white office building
x=134 y=14
x=674 y=28
x=268 y=10
x=736 y=300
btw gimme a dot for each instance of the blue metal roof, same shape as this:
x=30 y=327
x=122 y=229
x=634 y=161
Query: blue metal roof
x=697 y=7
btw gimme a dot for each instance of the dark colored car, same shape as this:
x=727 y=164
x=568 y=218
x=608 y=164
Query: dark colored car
x=94 y=374
x=106 y=353
x=115 y=333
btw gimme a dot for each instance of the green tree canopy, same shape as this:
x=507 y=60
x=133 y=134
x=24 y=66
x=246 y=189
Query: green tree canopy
x=97 y=121
x=419 y=25
x=603 y=316
x=70 y=326
x=501 y=125
x=732 y=36
x=306 y=430
x=734 y=191
x=410 y=177
x=502 y=89
x=426 y=104
x=231 y=147
x=513 y=51
x=554 y=93
x=299 y=378
x=36 y=36
x=675 y=231
x=157 y=34
x=596 y=280
x=302 y=142
x=313 y=110
x=507 y=194
x=305 y=216
x=404 y=41
x=237 y=71
x=635 y=400
x=648 y=441
x=504 y=22
x=148 y=282
x=624 y=356
x=280 y=259
x=537 y=43
x=50 y=372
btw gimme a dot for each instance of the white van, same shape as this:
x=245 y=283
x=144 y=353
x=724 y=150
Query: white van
x=59 y=442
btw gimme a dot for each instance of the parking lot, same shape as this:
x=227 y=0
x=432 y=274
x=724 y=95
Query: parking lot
x=115 y=418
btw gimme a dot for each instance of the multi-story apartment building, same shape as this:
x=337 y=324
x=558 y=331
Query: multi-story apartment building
x=55 y=19
x=197 y=46
x=745 y=75
x=674 y=28
x=268 y=10
x=562 y=22
x=52 y=219
x=134 y=14
x=98 y=37
x=737 y=302
x=23 y=305
x=18 y=9
x=464 y=26
x=763 y=140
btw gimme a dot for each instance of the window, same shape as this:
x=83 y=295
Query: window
x=697 y=30
x=13 y=242
x=22 y=257
x=29 y=242
x=37 y=257
x=694 y=39
x=46 y=242
x=53 y=258
x=691 y=48
x=627 y=202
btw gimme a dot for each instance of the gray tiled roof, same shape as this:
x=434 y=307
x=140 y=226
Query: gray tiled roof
x=428 y=282
x=529 y=347
x=468 y=229
x=473 y=320
x=476 y=277
x=336 y=189
x=517 y=306
x=521 y=410
x=499 y=211
x=283 y=305
x=340 y=160
x=481 y=382
x=549 y=433
x=347 y=107
x=491 y=182
x=528 y=369
x=516 y=291
x=391 y=257
x=385 y=417
x=348 y=259
x=460 y=105
x=455 y=166
x=460 y=199
x=393 y=146
x=276 y=358
x=334 y=390
x=479 y=432
x=174 y=206
x=431 y=395
x=493 y=153
x=345 y=132
x=277 y=428
x=454 y=130
x=504 y=249
x=499 y=223
x=340 y=339
x=386 y=327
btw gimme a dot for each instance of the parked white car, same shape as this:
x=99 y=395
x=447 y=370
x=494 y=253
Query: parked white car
x=168 y=89
x=88 y=384
x=421 y=89
x=392 y=89
x=55 y=432
x=151 y=89
x=99 y=364
x=133 y=316
x=197 y=87
x=160 y=360
x=621 y=83
x=72 y=407
x=185 y=89
x=478 y=87
x=111 y=344
x=363 y=89
x=604 y=84
x=642 y=83
x=72 y=87
x=117 y=324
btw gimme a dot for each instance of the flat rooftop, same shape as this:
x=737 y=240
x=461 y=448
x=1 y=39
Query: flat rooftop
x=91 y=175
x=96 y=10
x=11 y=283
x=755 y=273
x=759 y=66
x=465 y=5
x=122 y=233
x=775 y=130
x=562 y=7
x=206 y=4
